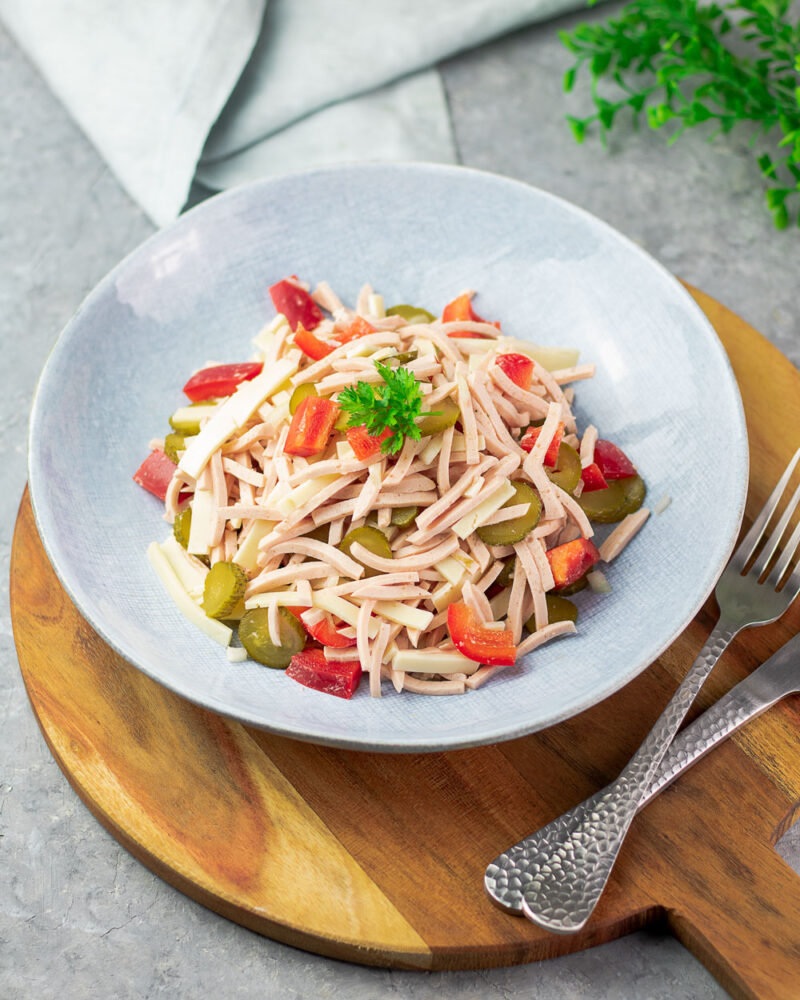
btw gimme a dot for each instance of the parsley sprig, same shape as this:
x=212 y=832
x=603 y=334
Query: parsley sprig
x=684 y=62
x=393 y=405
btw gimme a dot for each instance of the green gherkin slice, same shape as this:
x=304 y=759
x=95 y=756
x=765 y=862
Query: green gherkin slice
x=567 y=472
x=572 y=588
x=224 y=588
x=559 y=609
x=181 y=527
x=300 y=393
x=173 y=443
x=254 y=636
x=506 y=577
x=404 y=357
x=411 y=314
x=320 y=534
x=445 y=415
x=403 y=516
x=620 y=498
x=372 y=539
x=509 y=532
x=188 y=424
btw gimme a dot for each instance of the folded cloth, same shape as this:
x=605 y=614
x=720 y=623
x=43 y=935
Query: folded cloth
x=230 y=90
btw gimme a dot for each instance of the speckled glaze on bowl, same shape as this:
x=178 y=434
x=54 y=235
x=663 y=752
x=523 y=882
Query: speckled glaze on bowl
x=197 y=292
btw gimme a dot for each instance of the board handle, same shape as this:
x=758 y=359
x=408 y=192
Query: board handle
x=748 y=937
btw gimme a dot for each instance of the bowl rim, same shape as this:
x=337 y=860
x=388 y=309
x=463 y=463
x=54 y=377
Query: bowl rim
x=315 y=735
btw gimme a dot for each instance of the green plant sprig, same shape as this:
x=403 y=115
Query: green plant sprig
x=680 y=62
x=393 y=405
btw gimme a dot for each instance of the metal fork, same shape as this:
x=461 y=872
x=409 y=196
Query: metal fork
x=557 y=875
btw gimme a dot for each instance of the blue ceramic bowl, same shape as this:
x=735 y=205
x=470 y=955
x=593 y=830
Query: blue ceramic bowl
x=197 y=291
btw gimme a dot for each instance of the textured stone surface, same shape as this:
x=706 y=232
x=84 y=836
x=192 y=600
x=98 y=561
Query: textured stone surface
x=78 y=916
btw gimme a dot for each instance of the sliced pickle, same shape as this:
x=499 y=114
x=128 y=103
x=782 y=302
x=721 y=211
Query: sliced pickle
x=187 y=423
x=567 y=472
x=181 y=527
x=300 y=393
x=411 y=314
x=506 y=577
x=173 y=443
x=224 y=588
x=404 y=357
x=254 y=636
x=342 y=421
x=572 y=588
x=559 y=609
x=372 y=539
x=320 y=534
x=446 y=414
x=635 y=491
x=620 y=498
x=509 y=532
x=403 y=516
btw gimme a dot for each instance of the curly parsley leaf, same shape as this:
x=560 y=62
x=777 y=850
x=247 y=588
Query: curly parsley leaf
x=685 y=62
x=393 y=405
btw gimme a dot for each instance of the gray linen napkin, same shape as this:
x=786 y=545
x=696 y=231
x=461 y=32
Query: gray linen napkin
x=231 y=90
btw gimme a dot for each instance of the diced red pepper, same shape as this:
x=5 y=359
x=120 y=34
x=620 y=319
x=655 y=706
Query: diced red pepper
x=568 y=562
x=612 y=461
x=155 y=474
x=358 y=328
x=593 y=478
x=494 y=647
x=296 y=305
x=528 y=440
x=220 y=380
x=311 y=426
x=337 y=677
x=311 y=345
x=326 y=633
x=366 y=445
x=461 y=308
x=518 y=368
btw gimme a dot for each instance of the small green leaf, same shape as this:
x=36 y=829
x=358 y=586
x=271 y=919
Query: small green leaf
x=569 y=79
x=578 y=127
x=780 y=217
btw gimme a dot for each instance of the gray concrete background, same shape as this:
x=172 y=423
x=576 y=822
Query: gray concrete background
x=79 y=917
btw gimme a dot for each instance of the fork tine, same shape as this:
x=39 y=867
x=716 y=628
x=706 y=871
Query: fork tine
x=782 y=564
x=774 y=539
x=748 y=544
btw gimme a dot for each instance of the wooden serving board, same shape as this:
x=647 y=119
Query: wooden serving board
x=379 y=859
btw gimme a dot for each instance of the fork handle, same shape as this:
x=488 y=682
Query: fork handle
x=561 y=870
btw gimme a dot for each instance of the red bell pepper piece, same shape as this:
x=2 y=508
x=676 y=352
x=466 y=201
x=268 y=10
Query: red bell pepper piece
x=461 y=308
x=612 y=461
x=528 y=440
x=220 y=380
x=311 y=345
x=326 y=633
x=155 y=474
x=296 y=305
x=311 y=426
x=366 y=445
x=568 y=562
x=593 y=478
x=518 y=368
x=494 y=647
x=358 y=328
x=337 y=677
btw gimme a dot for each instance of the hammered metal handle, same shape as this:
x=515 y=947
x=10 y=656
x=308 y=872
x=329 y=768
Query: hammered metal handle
x=714 y=725
x=561 y=870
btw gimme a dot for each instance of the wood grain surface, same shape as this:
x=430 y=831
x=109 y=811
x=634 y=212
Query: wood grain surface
x=379 y=859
